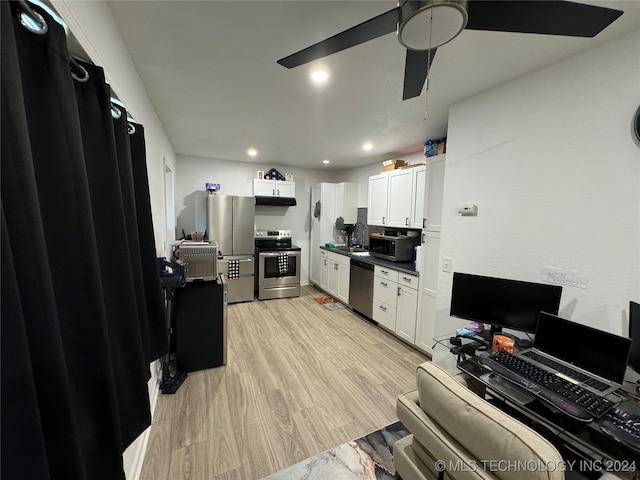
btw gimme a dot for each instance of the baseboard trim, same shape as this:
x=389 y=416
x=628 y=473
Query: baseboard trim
x=134 y=455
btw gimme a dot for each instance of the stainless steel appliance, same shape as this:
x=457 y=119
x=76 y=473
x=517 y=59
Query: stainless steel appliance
x=200 y=260
x=361 y=287
x=394 y=249
x=277 y=265
x=230 y=222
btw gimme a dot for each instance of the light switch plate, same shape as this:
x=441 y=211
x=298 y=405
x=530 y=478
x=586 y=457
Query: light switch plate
x=446 y=264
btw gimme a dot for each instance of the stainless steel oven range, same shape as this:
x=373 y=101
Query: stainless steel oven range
x=277 y=265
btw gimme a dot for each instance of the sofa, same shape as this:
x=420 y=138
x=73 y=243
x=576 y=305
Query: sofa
x=456 y=434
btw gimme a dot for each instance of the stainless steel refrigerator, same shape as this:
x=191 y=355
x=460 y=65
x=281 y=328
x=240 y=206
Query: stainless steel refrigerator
x=231 y=224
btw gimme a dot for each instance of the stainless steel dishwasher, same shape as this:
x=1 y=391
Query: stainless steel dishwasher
x=361 y=287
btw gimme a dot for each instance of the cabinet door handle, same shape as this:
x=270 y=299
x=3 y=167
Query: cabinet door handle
x=383 y=308
x=406 y=221
x=386 y=272
x=406 y=279
x=384 y=284
x=273 y=192
x=278 y=192
x=325 y=261
x=399 y=290
x=383 y=220
x=424 y=223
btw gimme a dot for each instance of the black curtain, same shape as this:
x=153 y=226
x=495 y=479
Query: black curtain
x=82 y=309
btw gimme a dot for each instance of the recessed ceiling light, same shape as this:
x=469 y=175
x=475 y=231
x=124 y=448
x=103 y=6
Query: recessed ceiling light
x=319 y=77
x=325 y=162
x=367 y=146
x=252 y=152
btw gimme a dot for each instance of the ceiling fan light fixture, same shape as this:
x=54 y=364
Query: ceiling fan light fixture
x=319 y=77
x=415 y=30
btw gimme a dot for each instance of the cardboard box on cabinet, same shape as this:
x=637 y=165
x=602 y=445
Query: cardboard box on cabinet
x=389 y=165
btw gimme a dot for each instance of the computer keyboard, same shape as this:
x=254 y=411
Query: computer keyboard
x=570 y=398
x=622 y=426
x=575 y=374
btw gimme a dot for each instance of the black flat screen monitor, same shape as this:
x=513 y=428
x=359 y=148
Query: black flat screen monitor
x=502 y=303
x=634 y=335
x=594 y=350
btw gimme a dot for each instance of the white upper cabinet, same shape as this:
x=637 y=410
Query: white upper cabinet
x=273 y=188
x=377 y=211
x=419 y=188
x=434 y=193
x=347 y=202
x=400 y=198
x=396 y=198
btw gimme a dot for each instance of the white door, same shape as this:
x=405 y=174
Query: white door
x=324 y=272
x=264 y=188
x=434 y=195
x=285 y=189
x=406 y=313
x=314 y=222
x=344 y=271
x=419 y=188
x=170 y=217
x=377 y=211
x=333 y=277
x=425 y=326
x=400 y=198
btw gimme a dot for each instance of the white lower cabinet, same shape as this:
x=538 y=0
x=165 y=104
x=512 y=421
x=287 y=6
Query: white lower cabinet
x=395 y=302
x=385 y=293
x=338 y=276
x=324 y=269
x=407 y=308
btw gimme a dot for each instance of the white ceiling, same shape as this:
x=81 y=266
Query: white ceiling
x=210 y=70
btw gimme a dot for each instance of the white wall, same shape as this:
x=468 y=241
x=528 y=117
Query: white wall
x=95 y=29
x=236 y=178
x=550 y=161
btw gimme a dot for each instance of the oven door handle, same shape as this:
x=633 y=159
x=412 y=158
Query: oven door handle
x=277 y=254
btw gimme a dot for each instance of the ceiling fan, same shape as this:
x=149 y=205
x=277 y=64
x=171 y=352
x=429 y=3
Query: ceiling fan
x=422 y=26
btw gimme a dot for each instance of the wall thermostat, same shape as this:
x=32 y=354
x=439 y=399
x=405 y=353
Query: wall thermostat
x=468 y=209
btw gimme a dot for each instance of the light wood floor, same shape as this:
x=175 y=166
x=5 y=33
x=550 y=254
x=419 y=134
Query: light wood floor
x=299 y=380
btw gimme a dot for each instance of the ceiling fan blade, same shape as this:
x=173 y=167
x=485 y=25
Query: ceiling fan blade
x=544 y=17
x=372 y=28
x=416 y=66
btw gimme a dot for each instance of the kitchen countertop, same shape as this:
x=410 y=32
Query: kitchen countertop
x=405 y=267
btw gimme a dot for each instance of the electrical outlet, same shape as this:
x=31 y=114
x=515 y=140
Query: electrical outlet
x=468 y=210
x=446 y=264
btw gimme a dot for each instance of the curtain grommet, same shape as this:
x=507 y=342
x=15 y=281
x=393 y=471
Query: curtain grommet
x=115 y=112
x=83 y=75
x=32 y=20
x=131 y=129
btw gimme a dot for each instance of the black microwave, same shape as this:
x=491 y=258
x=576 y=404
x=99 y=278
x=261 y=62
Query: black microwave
x=395 y=249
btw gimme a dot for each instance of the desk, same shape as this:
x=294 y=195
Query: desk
x=579 y=441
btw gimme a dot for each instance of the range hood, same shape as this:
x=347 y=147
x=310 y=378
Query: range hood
x=276 y=201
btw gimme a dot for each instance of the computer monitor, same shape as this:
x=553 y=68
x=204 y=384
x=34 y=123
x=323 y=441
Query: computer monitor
x=634 y=335
x=501 y=302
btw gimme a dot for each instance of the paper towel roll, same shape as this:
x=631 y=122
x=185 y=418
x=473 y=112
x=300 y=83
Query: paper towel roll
x=417 y=257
